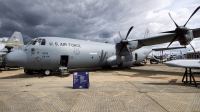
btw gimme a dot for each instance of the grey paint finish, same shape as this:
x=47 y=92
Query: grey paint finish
x=81 y=54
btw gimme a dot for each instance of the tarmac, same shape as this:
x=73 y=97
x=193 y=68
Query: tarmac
x=143 y=88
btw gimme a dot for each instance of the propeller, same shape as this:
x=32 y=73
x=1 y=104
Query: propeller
x=124 y=42
x=180 y=30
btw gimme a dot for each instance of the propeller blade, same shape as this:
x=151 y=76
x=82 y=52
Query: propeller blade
x=192 y=14
x=175 y=37
x=121 y=48
x=173 y=20
x=192 y=48
x=168 y=32
x=120 y=34
x=129 y=32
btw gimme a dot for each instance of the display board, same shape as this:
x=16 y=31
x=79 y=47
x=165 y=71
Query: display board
x=81 y=80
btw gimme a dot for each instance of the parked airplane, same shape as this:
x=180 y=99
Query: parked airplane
x=15 y=42
x=162 y=58
x=188 y=64
x=52 y=53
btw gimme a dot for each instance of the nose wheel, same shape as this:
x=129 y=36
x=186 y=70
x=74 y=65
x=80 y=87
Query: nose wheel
x=46 y=72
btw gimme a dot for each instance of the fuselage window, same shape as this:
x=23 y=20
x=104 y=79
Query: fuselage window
x=43 y=42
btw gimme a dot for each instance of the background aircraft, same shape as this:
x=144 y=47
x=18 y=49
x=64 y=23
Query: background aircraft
x=188 y=64
x=15 y=42
x=52 y=53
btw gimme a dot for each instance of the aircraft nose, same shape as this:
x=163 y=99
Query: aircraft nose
x=17 y=58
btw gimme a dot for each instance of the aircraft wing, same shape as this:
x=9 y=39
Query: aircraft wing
x=164 y=38
x=185 y=63
x=160 y=49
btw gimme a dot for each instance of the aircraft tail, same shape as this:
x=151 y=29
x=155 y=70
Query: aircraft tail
x=15 y=40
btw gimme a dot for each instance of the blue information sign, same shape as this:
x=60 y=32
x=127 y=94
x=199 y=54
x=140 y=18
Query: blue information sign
x=81 y=80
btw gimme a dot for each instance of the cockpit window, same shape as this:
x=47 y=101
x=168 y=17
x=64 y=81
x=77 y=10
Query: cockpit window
x=37 y=42
x=33 y=43
x=43 y=42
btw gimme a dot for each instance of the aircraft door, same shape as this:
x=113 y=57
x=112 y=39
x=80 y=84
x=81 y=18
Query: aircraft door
x=64 y=60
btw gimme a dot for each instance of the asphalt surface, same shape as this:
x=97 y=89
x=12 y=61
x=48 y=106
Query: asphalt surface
x=145 y=88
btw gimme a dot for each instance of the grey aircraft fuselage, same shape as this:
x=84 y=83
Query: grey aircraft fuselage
x=44 y=53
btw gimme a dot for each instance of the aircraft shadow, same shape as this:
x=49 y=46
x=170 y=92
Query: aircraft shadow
x=22 y=75
x=147 y=73
x=10 y=69
x=177 y=84
x=134 y=72
x=144 y=72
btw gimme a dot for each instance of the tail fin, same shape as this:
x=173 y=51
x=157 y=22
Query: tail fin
x=15 y=40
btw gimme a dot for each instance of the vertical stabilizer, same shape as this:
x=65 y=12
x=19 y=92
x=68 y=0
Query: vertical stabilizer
x=15 y=40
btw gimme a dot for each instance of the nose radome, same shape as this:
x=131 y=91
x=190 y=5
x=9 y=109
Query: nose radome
x=17 y=58
x=170 y=63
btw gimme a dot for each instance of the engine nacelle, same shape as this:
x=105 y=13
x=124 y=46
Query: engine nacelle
x=139 y=55
x=114 y=60
x=133 y=45
x=137 y=58
x=185 y=39
x=127 y=64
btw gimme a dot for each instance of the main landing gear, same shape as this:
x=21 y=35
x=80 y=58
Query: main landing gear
x=28 y=71
x=63 y=72
x=43 y=72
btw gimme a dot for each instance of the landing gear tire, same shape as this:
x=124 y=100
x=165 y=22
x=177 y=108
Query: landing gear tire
x=6 y=68
x=27 y=71
x=106 y=67
x=121 y=66
x=46 y=72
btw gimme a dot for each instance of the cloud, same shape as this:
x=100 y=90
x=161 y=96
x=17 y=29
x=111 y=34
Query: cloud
x=93 y=19
x=3 y=40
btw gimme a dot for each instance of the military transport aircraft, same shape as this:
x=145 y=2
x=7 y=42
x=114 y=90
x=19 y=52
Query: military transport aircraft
x=53 y=53
x=15 y=42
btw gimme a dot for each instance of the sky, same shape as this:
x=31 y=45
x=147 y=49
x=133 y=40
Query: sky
x=96 y=20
